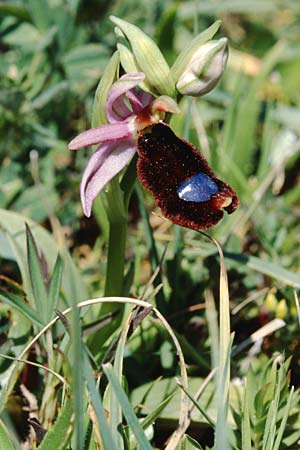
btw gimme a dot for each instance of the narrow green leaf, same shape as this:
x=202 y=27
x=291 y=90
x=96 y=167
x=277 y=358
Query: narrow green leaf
x=284 y=421
x=225 y=343
x=57 y=437
x=20 y=304
x=37 y=277
x=190 y=351
x=277 y=379
x=222 y=403
x=13 y=247
x=77 y=363
x=266 y=267
x=212 y=323
x=115 y=408
x=246 y=430
x=40 y=13
x=200 y=409
x=127 y=409
x=108 y=77
x=55 y=285
x=107 y=438
x=151 y=417
x=148 y=57
x=5 y=440
x=269 y=431
x=183 y=59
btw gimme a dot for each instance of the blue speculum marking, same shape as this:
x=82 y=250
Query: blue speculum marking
x=198 y=188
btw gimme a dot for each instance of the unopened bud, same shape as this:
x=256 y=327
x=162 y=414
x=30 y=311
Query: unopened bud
x=204 y=69
x=282 y=309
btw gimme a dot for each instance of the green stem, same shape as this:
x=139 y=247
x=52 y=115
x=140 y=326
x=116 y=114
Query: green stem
x=115 y=203
x=114 y=283
x=115 y=259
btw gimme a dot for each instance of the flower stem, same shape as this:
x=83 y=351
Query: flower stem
x=114 y=283
x=115 y=259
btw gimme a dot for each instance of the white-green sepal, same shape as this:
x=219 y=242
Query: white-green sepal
x=185 y=56
x=149 y=58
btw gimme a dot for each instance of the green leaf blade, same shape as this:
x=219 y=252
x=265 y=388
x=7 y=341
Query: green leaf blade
x=127 y=409
x=55 y=285
x=18 y=303
x=37 y=277
x=58 y=436
x=5 y=440
x=266 y=267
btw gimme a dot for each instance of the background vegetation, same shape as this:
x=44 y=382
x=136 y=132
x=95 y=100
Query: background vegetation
x=53 y=53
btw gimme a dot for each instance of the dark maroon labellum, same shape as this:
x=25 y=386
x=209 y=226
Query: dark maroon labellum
x=183 y=185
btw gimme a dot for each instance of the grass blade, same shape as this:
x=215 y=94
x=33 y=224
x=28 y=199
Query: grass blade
x=115 y=408
x=5 y=440
x=284 y=421
x=55 y=285
x=78 y=364
x=108 y=442
x=127 y=409
x=21 y=306
x=223 y=376
x=267 y=268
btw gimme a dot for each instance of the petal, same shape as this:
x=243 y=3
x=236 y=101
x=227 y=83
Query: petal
x=139 y=100
x=110 y=132
x=135 y=101
x=145 y=98
x=104 y=164
x=121 y=110
x=127 y=82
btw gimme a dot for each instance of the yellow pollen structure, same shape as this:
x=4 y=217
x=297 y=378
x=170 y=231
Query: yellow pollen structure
x=227 y=202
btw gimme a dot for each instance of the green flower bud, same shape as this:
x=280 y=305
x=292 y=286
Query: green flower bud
x=204 y=69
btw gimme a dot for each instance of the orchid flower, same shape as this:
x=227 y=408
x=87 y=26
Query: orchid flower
x=128 y=111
